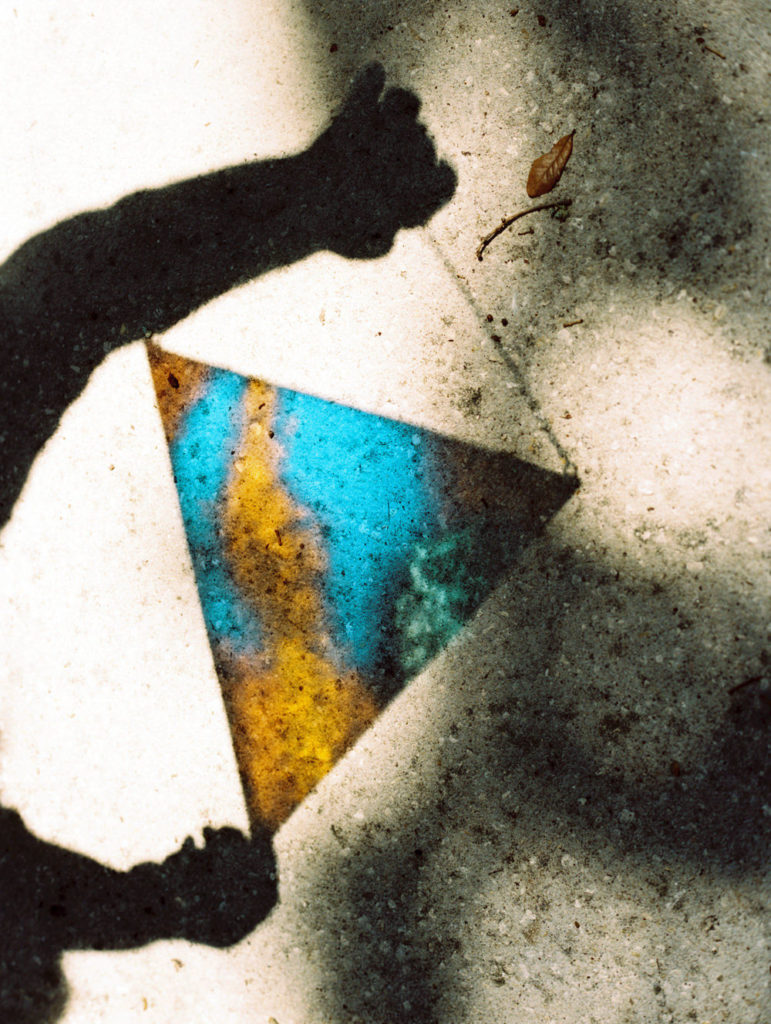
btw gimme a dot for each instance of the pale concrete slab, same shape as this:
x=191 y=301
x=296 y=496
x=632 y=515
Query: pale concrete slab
x=115 y=742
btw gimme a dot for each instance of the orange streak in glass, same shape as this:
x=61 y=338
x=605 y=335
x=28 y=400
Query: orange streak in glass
x=177 y=383
x=295 y=710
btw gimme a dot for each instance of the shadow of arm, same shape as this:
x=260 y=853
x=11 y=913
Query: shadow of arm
x=106 y=277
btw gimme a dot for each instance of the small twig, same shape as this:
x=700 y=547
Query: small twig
x=717 y=53
x=747 y=682
x=572 y=323
x=508 y=221
x=338 y=834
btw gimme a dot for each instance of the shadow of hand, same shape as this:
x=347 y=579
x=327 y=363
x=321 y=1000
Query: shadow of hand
x=380 y=169
x=216 y=895
x=54 y=900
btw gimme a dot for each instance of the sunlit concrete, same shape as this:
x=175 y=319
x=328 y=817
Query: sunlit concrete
x=101 y=609
x=664 y=423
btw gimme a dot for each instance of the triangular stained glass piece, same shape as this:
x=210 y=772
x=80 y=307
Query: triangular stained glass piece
x=336 y=552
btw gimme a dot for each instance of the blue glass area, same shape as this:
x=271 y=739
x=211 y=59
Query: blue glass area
x=415 y=529
x=201 y=455
x=365 y=481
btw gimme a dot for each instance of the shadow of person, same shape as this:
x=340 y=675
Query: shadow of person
x=107 y=277
x=55 y=900
x=68 y=297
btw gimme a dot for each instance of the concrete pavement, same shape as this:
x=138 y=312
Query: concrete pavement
x=566 y=816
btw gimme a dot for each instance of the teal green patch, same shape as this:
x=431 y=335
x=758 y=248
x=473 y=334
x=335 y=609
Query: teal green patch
x=447 y=580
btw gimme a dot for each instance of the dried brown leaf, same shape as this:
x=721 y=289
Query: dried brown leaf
x=547 y=169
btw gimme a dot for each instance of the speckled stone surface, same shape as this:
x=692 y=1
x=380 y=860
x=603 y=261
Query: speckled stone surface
x=566 y=817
